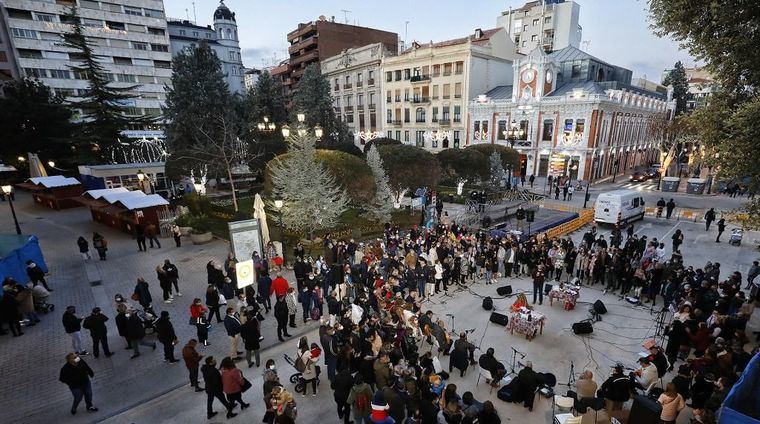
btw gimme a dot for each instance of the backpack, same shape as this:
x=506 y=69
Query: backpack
x=300 y=365
x=315 y=314
x=362 y=402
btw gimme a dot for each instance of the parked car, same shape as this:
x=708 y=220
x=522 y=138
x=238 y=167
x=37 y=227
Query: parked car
x=639 y=176
x=652 y=172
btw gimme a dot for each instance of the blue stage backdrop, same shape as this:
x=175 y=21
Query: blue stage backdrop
x=15 y=250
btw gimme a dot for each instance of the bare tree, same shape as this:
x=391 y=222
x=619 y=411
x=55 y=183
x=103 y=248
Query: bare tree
x=671 y=136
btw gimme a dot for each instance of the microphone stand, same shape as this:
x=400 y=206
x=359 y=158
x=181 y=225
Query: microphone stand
x=514 y=359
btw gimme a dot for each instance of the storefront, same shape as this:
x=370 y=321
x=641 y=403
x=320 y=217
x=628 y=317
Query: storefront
x=565 y=165
x=96 y=177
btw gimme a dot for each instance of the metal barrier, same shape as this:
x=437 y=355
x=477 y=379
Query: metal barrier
x=585 y=216
x=687 y=214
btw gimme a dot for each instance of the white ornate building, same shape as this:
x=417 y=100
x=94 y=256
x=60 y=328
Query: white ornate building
x=579 y=116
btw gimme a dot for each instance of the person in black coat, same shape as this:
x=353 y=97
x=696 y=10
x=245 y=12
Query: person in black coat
x=281 y=315
x=76 y=374
x=213 y=380
x=96 y=323
x=136 y=333
x=215 y=275
x=9 y=312
x=167 y=337
x=122 y=324
x=212 y=302
x=265 y=286
x=251 y=333
x=341 y=386
x=173 y=273
x=616 y=390
x=461 y=355
x=143 y=294
x=37 y=275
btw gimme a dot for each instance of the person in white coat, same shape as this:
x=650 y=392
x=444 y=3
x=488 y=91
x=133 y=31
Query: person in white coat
x=438 y=275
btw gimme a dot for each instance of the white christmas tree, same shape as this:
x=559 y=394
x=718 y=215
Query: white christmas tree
x=311 y=198
x=497 y=169
x=382 y=203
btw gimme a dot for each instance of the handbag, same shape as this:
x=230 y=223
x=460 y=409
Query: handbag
x=246 y=385
x=222 y=299
x=135 y=296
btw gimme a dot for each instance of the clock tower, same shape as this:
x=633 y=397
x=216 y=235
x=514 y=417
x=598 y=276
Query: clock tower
x=534 y=76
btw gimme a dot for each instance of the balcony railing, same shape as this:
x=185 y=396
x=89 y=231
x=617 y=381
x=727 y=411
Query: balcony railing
x=372 y=106
x=419 y=121
x=347 y=86
x=446 y=73
x=444 y=121
x=420 y=79
x=421 y=99
x=398 y=99
x=396 y=122
x=359 y=84
x=437 y=74
x=336 y=88
x=446 y=96
x=371 y=82
x=457 y=96
x=388 y=99
x=348 y=108
x=458 y=72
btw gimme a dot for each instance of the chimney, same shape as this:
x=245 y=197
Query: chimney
x=478 y=33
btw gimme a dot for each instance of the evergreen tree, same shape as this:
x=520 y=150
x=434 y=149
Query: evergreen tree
x=497 y=169
x=381 y=205
x=198 y=94
x=677 y=78
x=265 y=99
x=103 y=105
x=311 y=197
x=34 y=119
x=314 y=99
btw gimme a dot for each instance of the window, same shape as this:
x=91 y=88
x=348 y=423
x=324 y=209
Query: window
x=19 y=14
x=477 y=126
x=162 y=64
x=398 y=135
x=525 y=27
x=388 y=96
x=406 y=94
x=123 y=44
x=35 y=73
x=435 y=92
x=232 y=55
x=159 y=47
x=360 y=100
x=406 y=115
x=535 y=22
x=457 y=114
x=548 y=130
x=534 y=37
x=446 y=113
x=122 y=61
x=459 y=68
x=138 y=46
x=348 y=79
x=56 y=55
x=23 y=33
x=145 y=62
x=500 y=133
x=44 y=17
x=371 y=99
x=389 y=116
x=456 y=139
x=65 y=92
x=407 y=74
x=125 y=78
x=156 y=31
x=390 y=134
x=337 y=84
x=458 y=90
x=359 y=78
x=548 y=20
x=136 y=28
x=106 y=6
x=576 y=71
x=388 y=76
x=567 y=129
x=93 y=23
x=523 y=127
x=397 y=96
x=406 y=136
x=446 y=91
x=134 y=11
x=347 y=99
x=370 y=77
x=580 y=126
x=52 y=36
x=154 y=13
x=30 y=54
x=436 y=70
x=87 y=4
x=195 y=34
x=419 y=137
x=397 y=75
x=115 y=26
x=524 y=43
x=350 y=118
x=446 y=69
x=59 y=73
x=435 y=114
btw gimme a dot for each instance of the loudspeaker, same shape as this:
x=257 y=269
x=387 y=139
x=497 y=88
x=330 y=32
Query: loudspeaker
x=583 y=327
x=530 y=215
x=487 y=303
x=504 y=290
x=547 y=288
x=599 y=307
x=498 y=318
x=644 y=411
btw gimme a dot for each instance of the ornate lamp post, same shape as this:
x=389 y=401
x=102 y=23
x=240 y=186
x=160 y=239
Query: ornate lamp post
x=266 y=126
x=8 y=190
x=301 y=129
x=513 y=133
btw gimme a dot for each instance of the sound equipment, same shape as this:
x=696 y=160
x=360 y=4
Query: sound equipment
x=583 y=327
x=487 y=303
x=547 y=288
x=530 y=215
x=504 y=290
x=599 y=307
x=498 y=318
x=644 y=411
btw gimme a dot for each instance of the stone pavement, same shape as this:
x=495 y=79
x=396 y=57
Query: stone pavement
x=34 y=360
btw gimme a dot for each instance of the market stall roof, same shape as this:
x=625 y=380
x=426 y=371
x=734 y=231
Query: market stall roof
x=140 y=202
x=114 y=197
x=54 y=181
x=97 y=194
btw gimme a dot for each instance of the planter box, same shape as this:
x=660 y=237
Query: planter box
x=201 y=238
x=185 y=231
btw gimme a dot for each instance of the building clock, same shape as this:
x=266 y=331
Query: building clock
x=528 y=76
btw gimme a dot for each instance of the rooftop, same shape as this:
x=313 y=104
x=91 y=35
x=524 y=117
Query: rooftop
x=500 y=92
x=485 y=35
x=570 y=53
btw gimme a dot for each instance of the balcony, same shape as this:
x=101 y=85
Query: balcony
x=434 y=98
x=347 y=86
x=349 y=108
x=372 y=106
x=359 y=84
x=370 y=82
x=447 y=73
x=457 y=96
x=398 y=99
x=396 y=122
x=336 y=88
x=420 y=121
x=420 y=79
x=388 y=99
x=305 y=57
x=420 y=100
x=444 y=122
x=446 y=96
x=299 y=45
x=336 y=109
x=459 y=72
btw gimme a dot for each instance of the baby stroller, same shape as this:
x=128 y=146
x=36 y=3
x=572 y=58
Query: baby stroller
x=736 y=237
x=297 y=377
x=148 y=318
x=40 y=296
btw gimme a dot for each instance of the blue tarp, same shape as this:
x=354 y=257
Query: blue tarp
x=16 y=250
x=742 y=405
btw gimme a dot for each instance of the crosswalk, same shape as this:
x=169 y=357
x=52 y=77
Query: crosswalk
x=640 y=186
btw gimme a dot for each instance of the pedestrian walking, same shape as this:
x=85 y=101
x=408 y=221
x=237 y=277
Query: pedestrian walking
x=142 y=294
x=212 y=301
x=150 y=234
x=233 y=327
x=96 y=323
x=167 y=336
x=281 y=315
x=251 y=334
x=677 y=238
x=140 y=237
x=100 y=244
x=570 y=191
x=36 y=274
x=556 y=192
x=531 y=180
x=265 y=287
x=565 y=190
x=177 y=234
x=660 y=206
x=538 y=285
x=192 y=361
x=669 y=208
x=202 y=325
x=290 y=300
x=233 y=383
x=214 y=388
x=122 y=323
x=136 y=333
x=163 y=282
x=84 y=248
x=173 y=274
x=76 y=374
x=753 y=272
x=721 y=228
x=709 y=218
x=73 y=326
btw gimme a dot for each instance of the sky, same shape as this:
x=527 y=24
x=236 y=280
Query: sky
x=618 y=30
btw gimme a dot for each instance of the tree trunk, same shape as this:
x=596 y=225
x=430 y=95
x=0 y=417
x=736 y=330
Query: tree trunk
x=232 y=187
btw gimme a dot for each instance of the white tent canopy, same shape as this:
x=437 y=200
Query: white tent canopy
x=260 y=214
x=54 y=181
x=128 y=199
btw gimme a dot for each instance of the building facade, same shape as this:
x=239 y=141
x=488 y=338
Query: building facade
x=701 y=86
x=222 y=38
x=579 y=116
x=251 y=78
x=549 y=24
x=130 y=38
x=427 y=88
x=355 y=78
x=8 y=67
x=315 y=41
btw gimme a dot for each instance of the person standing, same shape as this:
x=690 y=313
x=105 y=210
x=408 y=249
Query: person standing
x=709 y=218
x=177 y=234
x=73 y=326
x=214 y=388
x=163 y=282
x=672 y=403
x=233 y=327
x=677 y=239
x=173 y=274
x=753 y=272
x=342 y=385
x=565 y=190
x=192 y=362
x=76 y=374
x=251 y=332
x=281 y=315
x=150 y=233
x=290 y=300
x=122 y=323
x=721 y=228
x=265 y=288
x=538 y=285
x=360 y=399
x=84 y=248
x=36 y=274
x=96 y=323
x=669 y=208
x=532 y=179
x=9 y=312
x=212 y=301
x=100 y=244
x=142 y=294
x=136 y=333
x=167 y=337
x=140 y=237
x=233 y=383
x=570 y=191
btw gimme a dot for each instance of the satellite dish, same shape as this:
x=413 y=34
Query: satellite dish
x=322 y=18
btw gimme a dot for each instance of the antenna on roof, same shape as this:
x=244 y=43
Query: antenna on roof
x=345 y=15
x=195 y=17
x=585 y=44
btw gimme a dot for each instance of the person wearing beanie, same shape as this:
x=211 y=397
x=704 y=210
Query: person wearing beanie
x=379 y=414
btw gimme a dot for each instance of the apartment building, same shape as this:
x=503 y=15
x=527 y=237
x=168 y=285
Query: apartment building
x=427 y=88
x=701 y=86
x=222 y=38
x=355 y=78
x=129 y=36
x=315 y=41
x=8 y=67
x=549 y=24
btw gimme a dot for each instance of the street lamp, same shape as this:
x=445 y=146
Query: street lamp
x=513 y=133
x=7 y=190
x=21 y=158
x=266 y=126
x=51 y=164
x=301 y=117
x=318 y=131
x=285 y=131
x=278 y=204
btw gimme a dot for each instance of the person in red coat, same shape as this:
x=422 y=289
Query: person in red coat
x=279 y=286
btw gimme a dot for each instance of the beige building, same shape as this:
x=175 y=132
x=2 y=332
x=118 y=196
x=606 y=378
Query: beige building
x=548 y=24
x=355 y=78
x=427 y=87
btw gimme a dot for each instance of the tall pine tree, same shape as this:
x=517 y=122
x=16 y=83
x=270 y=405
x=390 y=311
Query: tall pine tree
x=198 y=94
x=314 y=99
x=381 y=206
x=312 y=200
x=265 y=99
x=104 y=106
x=677 y=78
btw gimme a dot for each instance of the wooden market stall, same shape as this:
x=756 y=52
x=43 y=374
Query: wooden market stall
x=124 y=209
x=55 y=192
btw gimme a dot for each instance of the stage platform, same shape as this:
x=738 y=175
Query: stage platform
x=545 y=219
x=502 y=217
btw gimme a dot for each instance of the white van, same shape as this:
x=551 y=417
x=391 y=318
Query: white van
x=619 y=206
